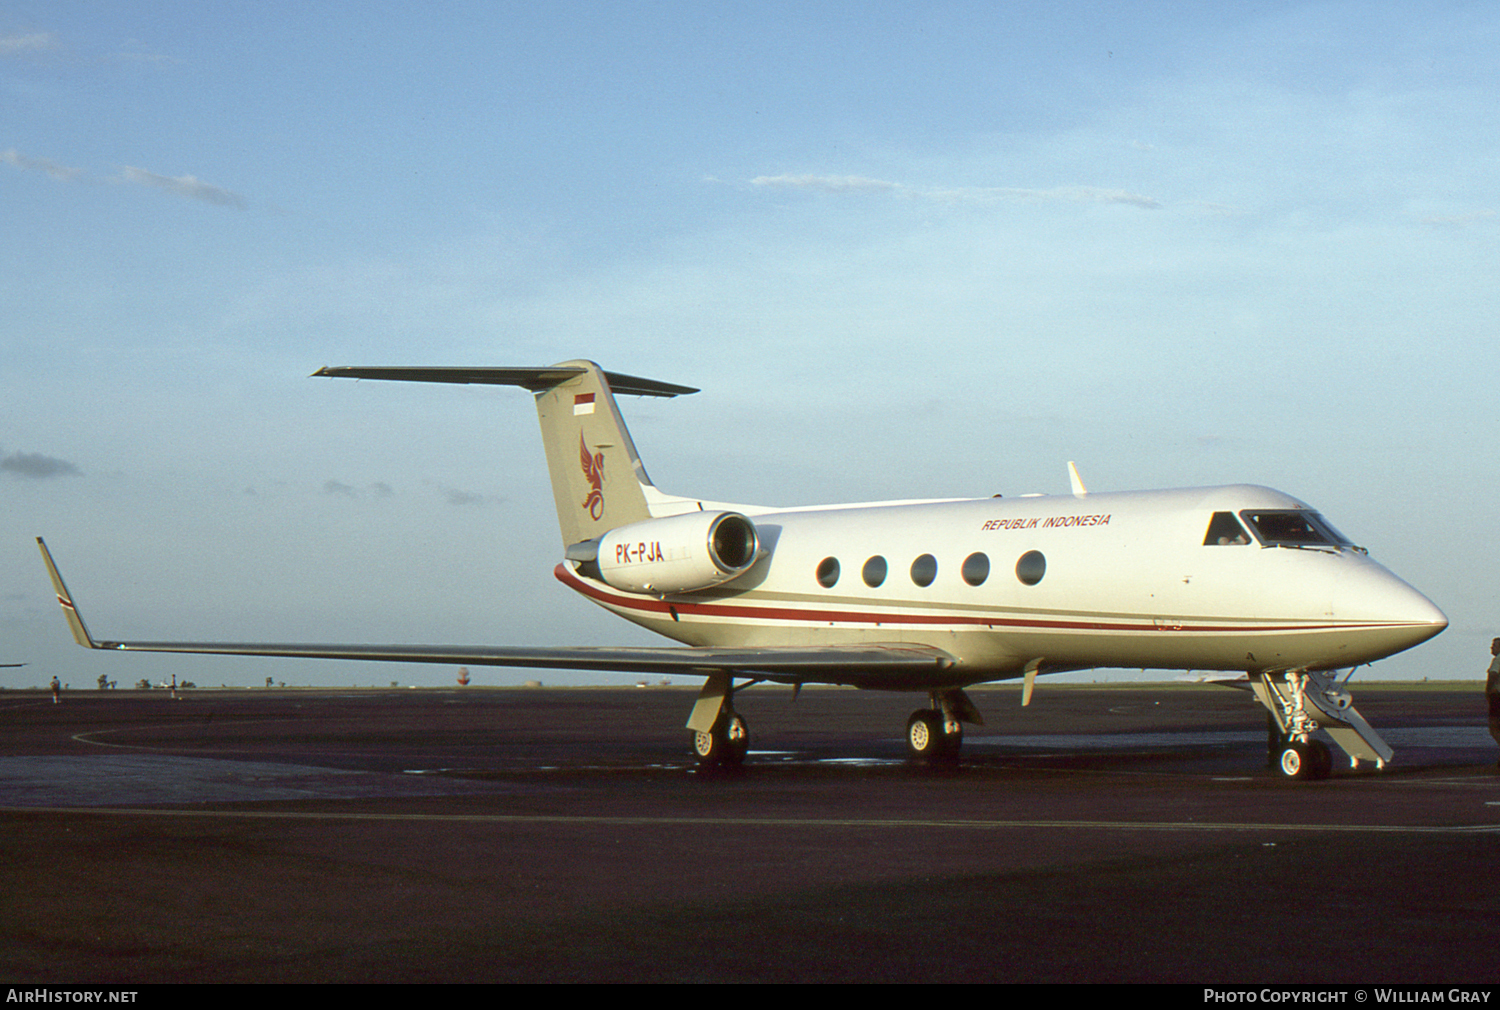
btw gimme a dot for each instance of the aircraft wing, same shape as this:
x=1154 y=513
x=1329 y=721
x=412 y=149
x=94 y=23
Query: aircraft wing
x=894 y=665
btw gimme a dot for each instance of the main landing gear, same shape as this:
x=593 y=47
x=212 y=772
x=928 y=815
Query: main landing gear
x=929 y=739
x=936 y=734
x=725 y=743
x=721 y=737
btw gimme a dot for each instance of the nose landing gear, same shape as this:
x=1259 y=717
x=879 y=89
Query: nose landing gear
x=1302 y=701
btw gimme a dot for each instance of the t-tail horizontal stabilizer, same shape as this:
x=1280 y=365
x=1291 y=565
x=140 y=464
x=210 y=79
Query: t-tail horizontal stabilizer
x=534 y=379
x=598 y=480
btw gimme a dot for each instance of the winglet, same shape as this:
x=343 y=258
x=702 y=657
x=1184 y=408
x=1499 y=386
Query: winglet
x=1076 y=480
x=75 y=622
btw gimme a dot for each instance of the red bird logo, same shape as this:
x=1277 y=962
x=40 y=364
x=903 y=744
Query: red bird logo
x=593 y=472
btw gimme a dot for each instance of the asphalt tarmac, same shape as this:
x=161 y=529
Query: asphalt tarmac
x=1104 y=834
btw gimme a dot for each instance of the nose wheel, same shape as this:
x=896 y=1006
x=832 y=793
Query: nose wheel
x=1310 y=760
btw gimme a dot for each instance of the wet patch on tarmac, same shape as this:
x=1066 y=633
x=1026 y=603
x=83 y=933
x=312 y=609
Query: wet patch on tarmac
x=141 y=779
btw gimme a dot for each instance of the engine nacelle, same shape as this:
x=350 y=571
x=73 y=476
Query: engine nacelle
x=678 y=554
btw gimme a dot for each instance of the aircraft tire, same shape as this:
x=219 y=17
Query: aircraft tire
x=736 y=739
x=725 y=744
x=1296 y=761
x=925 y=739
x=953 y=743
x=1291 y=761
x=1321 y=758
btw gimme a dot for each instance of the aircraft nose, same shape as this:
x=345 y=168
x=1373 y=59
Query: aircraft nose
x=1407 y=618
x=1425 y=619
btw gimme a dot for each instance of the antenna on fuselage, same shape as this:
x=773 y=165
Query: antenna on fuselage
x=1076 y=480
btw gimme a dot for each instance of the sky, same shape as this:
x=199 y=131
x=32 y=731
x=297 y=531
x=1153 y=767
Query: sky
x=905 y=250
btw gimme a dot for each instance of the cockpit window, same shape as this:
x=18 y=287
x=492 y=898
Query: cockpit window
x=1223 y=529
x=1293 y=528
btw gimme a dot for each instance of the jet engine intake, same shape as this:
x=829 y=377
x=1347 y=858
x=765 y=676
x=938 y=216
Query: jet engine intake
x=678 y=554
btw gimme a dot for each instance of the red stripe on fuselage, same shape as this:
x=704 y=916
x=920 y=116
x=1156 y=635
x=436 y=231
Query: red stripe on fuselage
x=685 y=608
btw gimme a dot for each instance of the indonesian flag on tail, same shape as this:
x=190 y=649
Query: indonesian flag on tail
x=583 y=403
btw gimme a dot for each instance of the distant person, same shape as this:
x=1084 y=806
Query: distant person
x=57 y=691
x=1492 y=690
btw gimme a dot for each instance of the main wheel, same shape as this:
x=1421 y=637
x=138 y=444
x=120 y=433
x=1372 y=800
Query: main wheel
x=725 y=744
x=736 y=739
x=925 y=739
x=923 y=733
x=953 y=743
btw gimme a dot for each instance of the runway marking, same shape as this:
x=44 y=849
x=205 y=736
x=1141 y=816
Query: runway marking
x=770 y=822
x=22 y=704
x=84 y=736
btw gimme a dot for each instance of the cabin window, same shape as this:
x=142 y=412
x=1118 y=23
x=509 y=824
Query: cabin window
x=976 y=569
x=1031 y=567
x=874 y=571
x=1224 y=529
x=828 y=572
x=924 y=570
x=1293 y=528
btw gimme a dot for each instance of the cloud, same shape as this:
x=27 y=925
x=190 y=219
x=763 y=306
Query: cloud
x=34 y=42
x=184 y=185
x=34 y=464
x=135 y=51
x=957 y=194
x=825 y=183
x=457 y=497
x=1060 y=194
x=380 y=489
x=52 y=168
x=1458 y=220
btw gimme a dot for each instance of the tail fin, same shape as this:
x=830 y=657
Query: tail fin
x=596 y=472
x=598 y=480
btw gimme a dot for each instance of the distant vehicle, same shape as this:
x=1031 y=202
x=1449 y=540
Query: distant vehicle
x=929 y=596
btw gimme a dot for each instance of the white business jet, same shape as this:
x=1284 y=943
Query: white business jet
x=930 y=596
